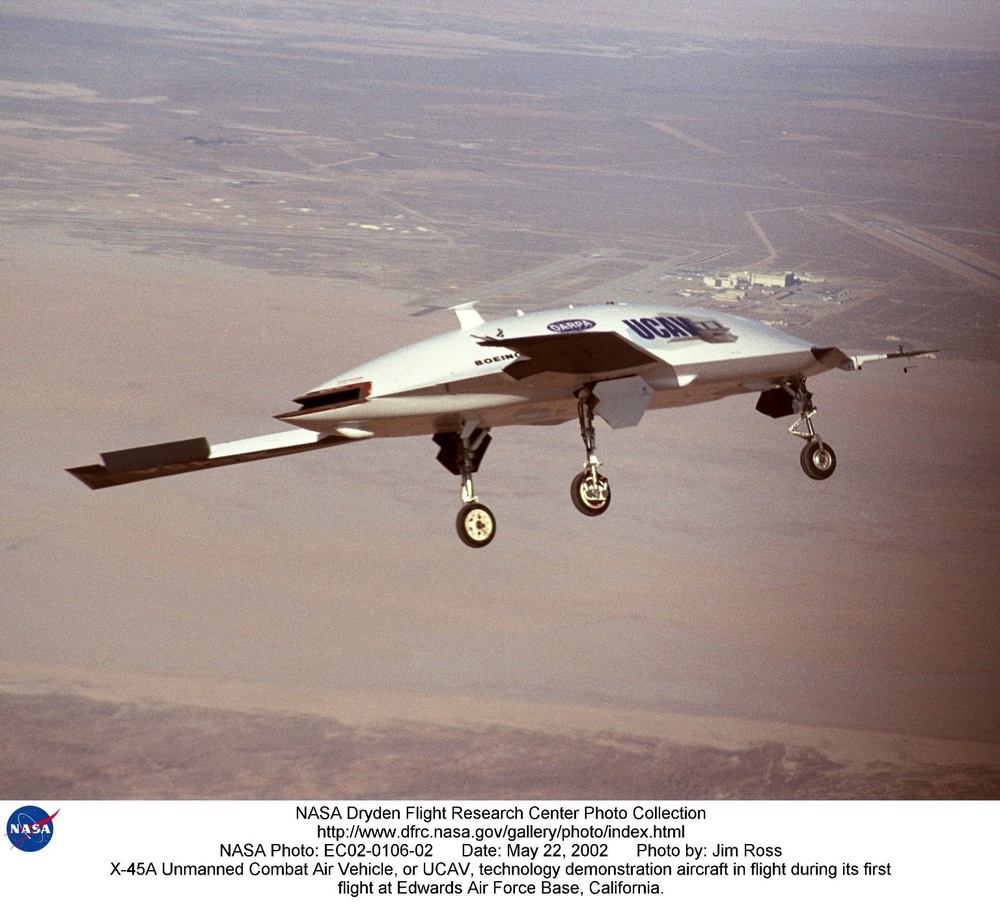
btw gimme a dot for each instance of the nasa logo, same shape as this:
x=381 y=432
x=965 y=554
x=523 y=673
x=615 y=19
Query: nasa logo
x=571 y=324
x=30 y=828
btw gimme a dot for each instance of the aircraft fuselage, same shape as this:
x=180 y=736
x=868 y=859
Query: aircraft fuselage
x=439 y=384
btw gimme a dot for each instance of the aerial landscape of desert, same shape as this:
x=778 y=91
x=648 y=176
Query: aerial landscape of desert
x=206 y=210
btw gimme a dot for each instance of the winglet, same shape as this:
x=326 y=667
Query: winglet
x=468 y=317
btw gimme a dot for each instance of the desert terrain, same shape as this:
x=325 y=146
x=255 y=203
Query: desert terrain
x=202 y=216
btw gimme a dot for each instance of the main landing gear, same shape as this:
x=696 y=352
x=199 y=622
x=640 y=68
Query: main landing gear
x=461 y=454
x=818 y=460
x=590 y=490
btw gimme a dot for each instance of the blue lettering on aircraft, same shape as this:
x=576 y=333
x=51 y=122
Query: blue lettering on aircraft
x=571 y=324
x=662 y=327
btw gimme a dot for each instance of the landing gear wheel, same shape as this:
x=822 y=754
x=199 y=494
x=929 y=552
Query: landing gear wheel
x=476 y=525
x=818 y=460
x=589 y=499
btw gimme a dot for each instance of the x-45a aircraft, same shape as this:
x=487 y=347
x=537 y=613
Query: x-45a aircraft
x=609 y=361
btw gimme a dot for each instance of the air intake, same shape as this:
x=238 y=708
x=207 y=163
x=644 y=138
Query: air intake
x=335 y=397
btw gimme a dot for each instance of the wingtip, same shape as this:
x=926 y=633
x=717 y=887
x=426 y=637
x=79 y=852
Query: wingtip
x=90 y=475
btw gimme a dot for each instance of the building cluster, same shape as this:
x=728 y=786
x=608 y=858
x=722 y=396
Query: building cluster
x=745 y=279
x=734 y=287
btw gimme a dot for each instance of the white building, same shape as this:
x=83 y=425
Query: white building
x=782 y=279
x=729 y=282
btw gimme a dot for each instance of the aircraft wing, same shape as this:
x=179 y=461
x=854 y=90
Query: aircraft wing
x=126 y=466
x=835 y=358
x=581 y=353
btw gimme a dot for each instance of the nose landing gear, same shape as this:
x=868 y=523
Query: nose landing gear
x=590 y=490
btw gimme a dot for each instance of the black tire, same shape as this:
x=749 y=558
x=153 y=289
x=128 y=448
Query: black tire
x=818 y=460
x=476 y=525
x=584 y=503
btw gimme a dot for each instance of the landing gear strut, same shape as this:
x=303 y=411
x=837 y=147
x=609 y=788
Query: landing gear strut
x=590 y=490
x=461 y=454
x=818 y=460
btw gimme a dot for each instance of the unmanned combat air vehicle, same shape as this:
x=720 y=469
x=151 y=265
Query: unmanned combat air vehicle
x=609 y=361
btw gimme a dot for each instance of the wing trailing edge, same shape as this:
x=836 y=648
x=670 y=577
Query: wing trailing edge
x=835 y=358
x=127 y=466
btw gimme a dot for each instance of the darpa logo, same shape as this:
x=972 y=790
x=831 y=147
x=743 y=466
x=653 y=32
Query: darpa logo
x=571 y=324
x=30 y=828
